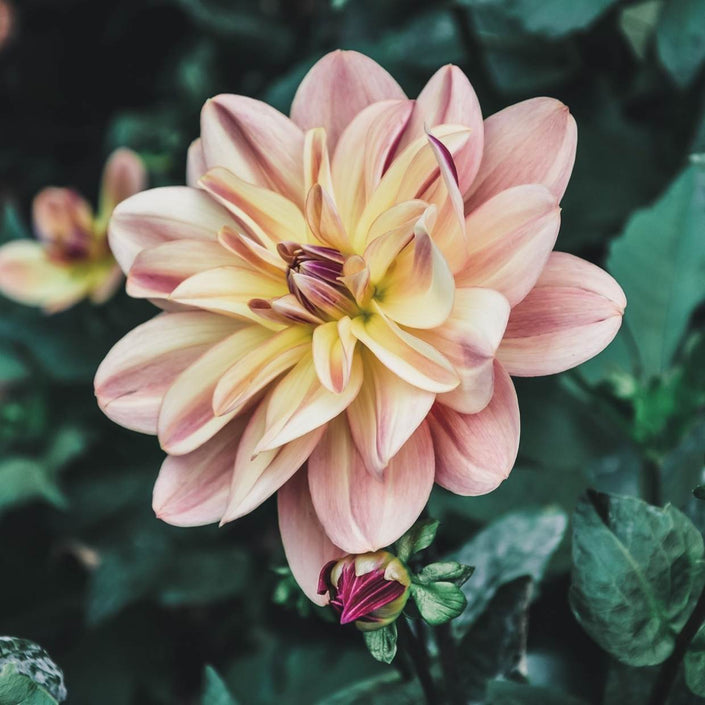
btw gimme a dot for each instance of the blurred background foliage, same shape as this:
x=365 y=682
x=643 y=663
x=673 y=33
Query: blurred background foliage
x=133 y=609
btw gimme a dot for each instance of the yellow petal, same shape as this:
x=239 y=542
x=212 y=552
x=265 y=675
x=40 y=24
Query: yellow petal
x=333 y=353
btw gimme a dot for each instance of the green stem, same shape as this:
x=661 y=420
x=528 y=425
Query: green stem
x=416 y=649
x=651 y=476
x=449 y=664
x=669 y=670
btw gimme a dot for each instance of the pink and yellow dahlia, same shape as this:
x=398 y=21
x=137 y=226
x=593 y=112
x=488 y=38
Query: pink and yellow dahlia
x=350 y=288
x=70 y=260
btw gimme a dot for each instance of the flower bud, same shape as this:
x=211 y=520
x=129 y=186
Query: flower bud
x=370 y=589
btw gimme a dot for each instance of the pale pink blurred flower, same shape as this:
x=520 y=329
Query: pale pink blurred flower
x=71 y=259
x=352 y=287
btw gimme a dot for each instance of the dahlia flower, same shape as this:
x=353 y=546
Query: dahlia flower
x=71 y=259
x=350 y=288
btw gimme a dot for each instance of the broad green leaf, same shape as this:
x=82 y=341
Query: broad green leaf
x=637 y=572
x=451 y=571
x=387 y=689
x=26 y=479
x=215 y=691
x=516 y=545
x=18 y=689
x=638 y=23
x=506 y=693
x=382 y=643
x=495 y=646
x=628 y=684
x=694 y=663
x=550 y=18
x=680 y=38
x=439 y=602
x=23 y=659
x=417 y=538
x=660 y=262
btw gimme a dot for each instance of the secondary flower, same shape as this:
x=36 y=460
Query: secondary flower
x=370 y=589
x=350 y=288
x=71 y=260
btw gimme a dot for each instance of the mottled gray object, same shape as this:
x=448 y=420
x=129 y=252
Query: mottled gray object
x=33 y=661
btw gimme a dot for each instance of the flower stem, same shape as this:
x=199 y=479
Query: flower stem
x=449 y=664
x=416 y=649
x=669 y=670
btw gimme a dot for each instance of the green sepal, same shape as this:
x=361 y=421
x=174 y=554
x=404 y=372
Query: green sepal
x=448 y=571
x=438 y=602
x=421 y=535
x=382 y=643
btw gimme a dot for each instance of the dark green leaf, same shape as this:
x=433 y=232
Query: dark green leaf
x=418 y=537
x=386 y=689
x=438 y=603
x=637 y=571
x=518 y=544
x=680 y=38
x=660 y=262
x=30 y=661
x=694 y=663
x=382 y=643
x=450 y=571
x=25 y=479
x=699 y=492
x=505 y=693
x=215 y=691
x=18 y=689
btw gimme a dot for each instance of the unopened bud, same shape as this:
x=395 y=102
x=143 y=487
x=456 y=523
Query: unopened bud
x=370 y=589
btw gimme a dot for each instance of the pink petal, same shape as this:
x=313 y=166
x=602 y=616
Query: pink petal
x=186 y=418
x=195 y=163
x=359 y=511
x=532 y=142
x=571 y=315
x=255 y=142
x=124 y=176
x=134 y=376
x=258 y=476
x=337 y=88
x=469 y=339
x=385 y=413
x=157 y=271
x=192 y=489
x=162 y=214
x=509 y=240
x=449 y=99
x=475 y=452
x=63 y=219
x=306 y=545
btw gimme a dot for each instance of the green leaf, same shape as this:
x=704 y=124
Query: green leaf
x=550 y=18
x=660 y=262
x=680 y=38
x=518 y=544
x=382 y=643
x=450 y=571
x=506 y=693
x=699 y=492
x=386 y=689
x=637 y=572
x=638 y=23
x=694 y=663
x=495 y=646
x=438 y=603
x=26 y=479
x=23 y=660
x=417 y=538
x=215 y=692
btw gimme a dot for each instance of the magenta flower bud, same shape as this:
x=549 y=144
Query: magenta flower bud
x=370 y=589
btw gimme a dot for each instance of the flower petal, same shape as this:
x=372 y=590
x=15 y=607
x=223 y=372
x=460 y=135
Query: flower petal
x=449 y=99
x=195 y=163
x=260 y=212
x=358 y=511
x=169 y=213
x=300 y=403
x=571 y=315
x=306 y=545
x=384 y=414
x=337 y=88
x=469 y=339
x=475 y=452
x=250 y=373
x=157 y=271
x=124 y=175
x=532 y=142
x=412 y=359
x=63 y=220
x=509 y=240
x=333 y=353
x=192 y=489
x=324 y=220
x=186 y=418
x=28 y=276
x=258 y=476
x=134 y=376
x=255 y=142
